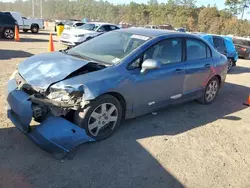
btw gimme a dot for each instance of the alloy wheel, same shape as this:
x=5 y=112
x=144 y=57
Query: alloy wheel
x=212 y=90
x=9 y=34
x=103 y=119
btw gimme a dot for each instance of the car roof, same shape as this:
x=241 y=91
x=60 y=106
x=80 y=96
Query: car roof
x=100 y=23
x=152 y=32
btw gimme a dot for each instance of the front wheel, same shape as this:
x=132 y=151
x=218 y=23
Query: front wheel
x=211 y=91
x=101 y=117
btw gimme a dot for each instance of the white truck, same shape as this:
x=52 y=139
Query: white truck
x=25 y=24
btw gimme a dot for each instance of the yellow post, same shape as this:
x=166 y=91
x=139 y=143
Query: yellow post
x=59 y=30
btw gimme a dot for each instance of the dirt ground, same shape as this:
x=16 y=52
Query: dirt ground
x=189 y=145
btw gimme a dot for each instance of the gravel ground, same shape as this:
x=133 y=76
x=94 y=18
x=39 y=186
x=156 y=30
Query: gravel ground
x=189 y=145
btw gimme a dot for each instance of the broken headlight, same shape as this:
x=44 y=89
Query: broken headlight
x=67 y=95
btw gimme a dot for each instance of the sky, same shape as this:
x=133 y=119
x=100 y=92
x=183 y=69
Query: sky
x=218 y=3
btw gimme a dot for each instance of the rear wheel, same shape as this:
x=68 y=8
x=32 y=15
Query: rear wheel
x=101 y=117
x=230 y=65
x=34 y=29
x=25 y=30
x=211 y=91
x=8 y=33
x=247 y=56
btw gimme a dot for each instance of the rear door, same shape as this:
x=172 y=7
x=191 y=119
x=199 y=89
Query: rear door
x=199 y=64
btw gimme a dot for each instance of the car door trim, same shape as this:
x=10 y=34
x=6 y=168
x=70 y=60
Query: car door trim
x=176 y=96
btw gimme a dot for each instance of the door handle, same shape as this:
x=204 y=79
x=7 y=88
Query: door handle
x=207 y=66
x=178 y=70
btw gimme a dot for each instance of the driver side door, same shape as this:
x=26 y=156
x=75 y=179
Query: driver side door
x=160 y=87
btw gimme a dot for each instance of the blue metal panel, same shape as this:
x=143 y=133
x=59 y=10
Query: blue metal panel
x=20 y=105
x=45 y=69
x=231 y=51
x=207 y=38
x=58 y=136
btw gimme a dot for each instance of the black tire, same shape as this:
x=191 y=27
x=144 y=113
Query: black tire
x=25 y=30
x=230 y=64
x=204 y=99
x=247 y=56
x=34 y=28
x=9 y=33
x=82 y=117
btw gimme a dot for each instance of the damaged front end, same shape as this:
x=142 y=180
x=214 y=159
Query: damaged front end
x=56 y=133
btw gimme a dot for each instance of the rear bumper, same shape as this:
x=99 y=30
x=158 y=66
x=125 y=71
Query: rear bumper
x=55 y=135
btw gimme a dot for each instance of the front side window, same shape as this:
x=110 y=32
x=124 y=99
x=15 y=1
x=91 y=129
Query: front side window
x=196 y=49
x=167 y=51
x=110 y=47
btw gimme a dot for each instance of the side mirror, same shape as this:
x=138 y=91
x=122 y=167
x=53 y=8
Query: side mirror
x=150 y=64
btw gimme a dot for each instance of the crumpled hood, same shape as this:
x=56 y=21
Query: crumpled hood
x=42 y=70
x=74 y=31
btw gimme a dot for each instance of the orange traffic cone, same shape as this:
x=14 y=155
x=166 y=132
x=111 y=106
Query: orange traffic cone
x=247 y=103
x=51 y=44
x=17 y=39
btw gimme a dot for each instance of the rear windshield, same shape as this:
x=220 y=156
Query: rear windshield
x=241 y=42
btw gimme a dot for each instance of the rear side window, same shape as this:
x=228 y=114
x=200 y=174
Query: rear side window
x=196 y=49
x=113 y=27
x=7 y=19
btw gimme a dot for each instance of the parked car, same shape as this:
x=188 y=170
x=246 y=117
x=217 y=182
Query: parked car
x=167 y=27
x=73 y=24
x=242 y=46
x=7 y=25
x=181 y=30
x=224 y=45
x=151 y=27
x=27 y=24
x=84 y=93
x=85 y=32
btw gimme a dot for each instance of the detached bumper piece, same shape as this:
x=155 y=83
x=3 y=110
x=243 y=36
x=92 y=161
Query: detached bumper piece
x=55 y=135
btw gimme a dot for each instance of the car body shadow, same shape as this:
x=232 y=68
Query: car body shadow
x=9 y=54
x=184 y=117
x=22 y=39
x=39 y=33
x=239 y=70
x=115 y=162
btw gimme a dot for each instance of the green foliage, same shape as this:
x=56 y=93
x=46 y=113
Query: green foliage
x=179 y=13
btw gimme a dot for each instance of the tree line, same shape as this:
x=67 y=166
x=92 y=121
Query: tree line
x=178 y=13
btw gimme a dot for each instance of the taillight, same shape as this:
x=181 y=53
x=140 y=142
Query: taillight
x=243 y=49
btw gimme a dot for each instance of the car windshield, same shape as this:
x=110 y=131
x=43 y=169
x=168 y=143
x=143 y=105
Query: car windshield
x=109 y=48
x=89 y=26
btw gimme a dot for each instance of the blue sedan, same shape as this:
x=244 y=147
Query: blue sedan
x=82 y=94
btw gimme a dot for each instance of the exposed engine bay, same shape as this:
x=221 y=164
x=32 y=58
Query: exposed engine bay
x=57 y=101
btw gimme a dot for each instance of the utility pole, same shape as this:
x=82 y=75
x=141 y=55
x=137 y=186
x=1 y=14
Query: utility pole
x=33 y=8
x=243 y=9
x=41 y=8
